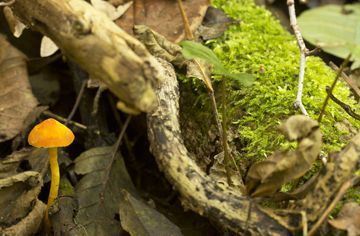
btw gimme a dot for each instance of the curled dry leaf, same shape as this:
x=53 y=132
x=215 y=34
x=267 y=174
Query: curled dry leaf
x=35 y=159
x=266 y=177
x=14 y=23
x=16 y=98
x=164 y=16
x=18 y=193
x=29 y=225
x=348 y=219
x=137 y=218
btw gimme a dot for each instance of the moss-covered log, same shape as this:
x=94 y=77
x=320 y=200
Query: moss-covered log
x=199 y=192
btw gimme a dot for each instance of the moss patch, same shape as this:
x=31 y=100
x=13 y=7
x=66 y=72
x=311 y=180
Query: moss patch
x=260 y=46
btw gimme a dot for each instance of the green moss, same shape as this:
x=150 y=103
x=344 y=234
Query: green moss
x=260 y=46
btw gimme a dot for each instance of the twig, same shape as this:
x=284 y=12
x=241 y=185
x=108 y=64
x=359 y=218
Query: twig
x=100 y=90
x=332 y=87
x=188 y=34
x=344 y=106
x=347 y=79
x=348 y=184
x=113 y=155
x=303 y=53
x=2 y=4
x=62 y=119
x=77 y=102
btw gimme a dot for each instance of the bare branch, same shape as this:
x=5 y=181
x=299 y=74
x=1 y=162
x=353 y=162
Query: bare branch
x=303 y=54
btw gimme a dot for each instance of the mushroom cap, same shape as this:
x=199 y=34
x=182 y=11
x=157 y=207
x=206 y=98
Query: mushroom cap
x=50 y=133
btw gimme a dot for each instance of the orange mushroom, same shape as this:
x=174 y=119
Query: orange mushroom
x=51 y=134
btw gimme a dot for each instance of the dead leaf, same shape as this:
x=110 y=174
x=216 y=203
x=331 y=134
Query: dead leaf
x=137 y=218
x=348 y=219
x=15 y=25
x=266 y=177
x=99 y=191
x=164 y=17
x=16 y=98
x=108 y=9
x=29 y=225
x=47 y=47
x=17 y=195
x=34 y=159
x=214 y=24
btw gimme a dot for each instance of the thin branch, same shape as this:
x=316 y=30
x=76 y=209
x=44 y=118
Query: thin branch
x=113 y=155
x=96 y=102
x=344 y=106
x=62 y=119
x=348 y=184
x=77 y=102
x=188 y=34
x=303 y=53
x=332 y=87
x=347 y=79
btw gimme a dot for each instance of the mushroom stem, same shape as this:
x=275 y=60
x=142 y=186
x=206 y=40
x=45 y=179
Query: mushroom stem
x=55 y=179
x=55 y=176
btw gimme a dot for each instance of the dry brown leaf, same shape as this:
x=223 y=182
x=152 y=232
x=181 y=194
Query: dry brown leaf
x=17 y=195
x=35 y=159
x=137 y=218
x=348 y=219
x=164 y=16
x=110 y=10
x=266 y=177
x=16 y=98
x=47 y=47
x=30 y=224
x=14 y=23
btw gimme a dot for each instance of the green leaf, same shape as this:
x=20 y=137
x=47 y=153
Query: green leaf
x=192 y=50
x=336 y=29
x=242 y=79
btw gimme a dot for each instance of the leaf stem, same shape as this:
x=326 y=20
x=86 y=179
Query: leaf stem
x=338 y=74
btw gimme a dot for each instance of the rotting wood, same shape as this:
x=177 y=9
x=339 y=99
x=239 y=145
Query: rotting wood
x=98 y=45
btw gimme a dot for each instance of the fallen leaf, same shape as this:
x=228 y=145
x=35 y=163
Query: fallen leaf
x=348 y=219
x=30 y=224
x=47 y=47
x=34 y=159
x=16 y=98
x=214 y=24
x=108 y=9
x=336 y=29
x=17 y=195
x=14 y=23
x=137 y=218
x=164 y=17
x=266 y=177
x=98 y=192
